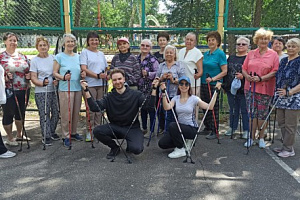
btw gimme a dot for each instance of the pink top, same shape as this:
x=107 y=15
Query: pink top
x=262 y=65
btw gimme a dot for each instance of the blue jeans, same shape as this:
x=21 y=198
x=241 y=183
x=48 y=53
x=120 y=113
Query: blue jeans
x=144 y=116
x=238 y=103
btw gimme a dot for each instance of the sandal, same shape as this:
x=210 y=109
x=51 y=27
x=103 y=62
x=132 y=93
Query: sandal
x=24 y=138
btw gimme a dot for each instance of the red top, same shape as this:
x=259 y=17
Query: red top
x=18 y=65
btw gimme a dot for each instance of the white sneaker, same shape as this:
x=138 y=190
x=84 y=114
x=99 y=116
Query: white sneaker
x=245 y=134
x=262 y=144
x=177 y=153
x=229 y=132
x=249 y=143
x=12 y=143
x=88 y=137
x=8 y=154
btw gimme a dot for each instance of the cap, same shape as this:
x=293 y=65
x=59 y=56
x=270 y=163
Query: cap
x=122 y=39
x=235 y=85
x=187 y=79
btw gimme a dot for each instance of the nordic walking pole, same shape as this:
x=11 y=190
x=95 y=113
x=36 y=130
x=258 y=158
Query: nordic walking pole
x=89 y=120
x=153 y=125
x=166 y=113
x=120 y=144
x=69 y=109
x=45 y=119
x=213 y=111
x=188 y=153
x=233 y=113
x=250 y=113
x=57 y=100
x=21 y=117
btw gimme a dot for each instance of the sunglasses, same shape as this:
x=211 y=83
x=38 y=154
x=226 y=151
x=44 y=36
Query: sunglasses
x=145 y=45
x=184 y=84
x=241 y=44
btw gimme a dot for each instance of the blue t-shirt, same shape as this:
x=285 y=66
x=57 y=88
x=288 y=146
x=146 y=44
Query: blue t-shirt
x=212 y=64
x=71 y=63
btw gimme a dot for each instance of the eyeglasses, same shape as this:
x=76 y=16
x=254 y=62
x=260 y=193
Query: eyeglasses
x=184 y=84
x=145 y=45
x=241 y=44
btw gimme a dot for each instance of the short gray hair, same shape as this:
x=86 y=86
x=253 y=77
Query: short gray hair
x=244 y=39
x=175 y=50
x=70 y=36
x=294 y=41
x=193 y=34
x=148 y=41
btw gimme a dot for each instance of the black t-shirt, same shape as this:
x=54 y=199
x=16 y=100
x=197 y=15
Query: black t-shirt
x=234 y=65
x=160 y=57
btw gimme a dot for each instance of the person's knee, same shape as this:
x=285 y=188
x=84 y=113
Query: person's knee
x=136 y=149
x=162 y=145
x=97 y=132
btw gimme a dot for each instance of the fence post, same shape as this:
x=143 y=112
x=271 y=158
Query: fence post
x=67 y=18
x=221 y=18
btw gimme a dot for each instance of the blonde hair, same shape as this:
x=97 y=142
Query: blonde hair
x=175 y=51
x=262 y=33
x=41 y=39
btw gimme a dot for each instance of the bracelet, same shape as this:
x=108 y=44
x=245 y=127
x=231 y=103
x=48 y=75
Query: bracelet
x=260 y=79
x=86 y=89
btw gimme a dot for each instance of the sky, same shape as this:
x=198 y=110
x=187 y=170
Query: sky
x=162 y=7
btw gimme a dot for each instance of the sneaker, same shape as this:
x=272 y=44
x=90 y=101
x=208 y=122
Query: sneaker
x=229 y=132
x=76 y=137
x=113 y=152
x=205 y=131
x=55 y=137
x=48 y=142
x=211 y=136
x=262 y=144
x=23 y=139
x=277 y=149
x=11 y=143
x=7 y=154
x=88 y=137
x=160 y=131
x=245 y=135
x=67 y=142
x=249 y=143
x=285 y=154
x=177 y=153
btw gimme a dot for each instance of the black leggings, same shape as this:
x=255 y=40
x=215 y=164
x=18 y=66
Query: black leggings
x=10 y=109
x=173 y=138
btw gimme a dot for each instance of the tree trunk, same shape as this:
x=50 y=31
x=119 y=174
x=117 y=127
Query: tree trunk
x=257 y=17
x=77 y=13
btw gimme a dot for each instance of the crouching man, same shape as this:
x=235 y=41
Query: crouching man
x=121 y=105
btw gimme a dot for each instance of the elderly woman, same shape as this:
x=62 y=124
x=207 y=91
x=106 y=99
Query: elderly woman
x=278 y=45
x=169 y=72
x=264 y=63
x=17 y=76
x=193 y=59
x=237 y=101
x=185 y=104
x=149 y=66
x=94 y=63
x=288 y=89
x=41 y=72
x=214 y=69
x=65 y=62
x=127 y=62
x=162 y=40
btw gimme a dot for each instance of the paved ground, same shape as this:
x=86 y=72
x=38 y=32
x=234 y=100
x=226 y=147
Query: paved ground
x=221 y=171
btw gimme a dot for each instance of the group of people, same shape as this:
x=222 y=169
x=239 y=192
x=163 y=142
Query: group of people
x=168 y=84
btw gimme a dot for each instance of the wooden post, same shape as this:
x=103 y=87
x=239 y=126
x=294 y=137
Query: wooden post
x=67 y=18
x=221 y=18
